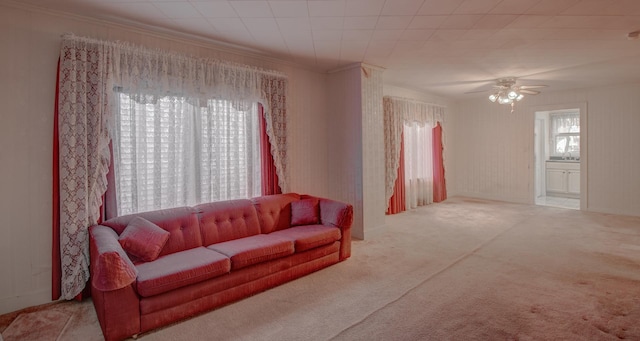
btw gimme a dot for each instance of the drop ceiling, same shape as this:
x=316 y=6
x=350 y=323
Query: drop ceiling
x=446 y=47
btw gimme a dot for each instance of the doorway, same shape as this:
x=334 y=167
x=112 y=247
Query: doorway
x=557 y=158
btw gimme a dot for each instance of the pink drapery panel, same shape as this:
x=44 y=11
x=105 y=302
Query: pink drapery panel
x=268 y=170
x=56 y=271
x=397 y=203
x=439 y=183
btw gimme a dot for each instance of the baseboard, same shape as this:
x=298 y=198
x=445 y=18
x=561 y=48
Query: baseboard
x=495 y=197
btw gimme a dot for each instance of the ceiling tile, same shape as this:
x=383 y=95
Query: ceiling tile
x=362 y=35
x=379 y=50
x=394 y=22
x=393 y=35
x=495 y=21
x=601 y=22
x=327 y=48
x=289 y=9
x=447 y=35
x=260 y=25
x=479 y=34
x=252 y=9
x=326 y=23
x=330 y=8
x=228 y=24
x=353 y=50
x=360 y=8
x=301 y=46
x=137 y=10
x=294 y=24
x=476 y=6
x=439 y=7
x=523 y=34
x=551 y=7
x=529 y=21
x=513 y=6
x=215 y=9
x=416 y=35
x=401 y=7
x=407 y=47
x=622 y=7
x=460 y=21
x=427 y=21
x=178 y=10
x=327 y=34
x=588 y=7
x=238 y=36
x=295 y=35
x=195 y=26
x=360 y=23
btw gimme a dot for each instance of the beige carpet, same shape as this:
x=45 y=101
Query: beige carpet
x=461 y=270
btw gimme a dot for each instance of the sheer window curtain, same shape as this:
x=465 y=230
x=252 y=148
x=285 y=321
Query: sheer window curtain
x=418 y=170
x=175 y=151
x=89 y=71
x=420 y=122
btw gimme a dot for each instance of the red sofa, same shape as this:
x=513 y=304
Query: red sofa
x=214 y=254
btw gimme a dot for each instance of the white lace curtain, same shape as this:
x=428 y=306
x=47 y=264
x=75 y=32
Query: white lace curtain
x=90 y=70
x=418 y=168
x=397 y=112
x=181 y=152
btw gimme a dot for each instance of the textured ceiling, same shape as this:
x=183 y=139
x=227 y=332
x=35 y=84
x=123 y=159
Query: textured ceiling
x=447 y=47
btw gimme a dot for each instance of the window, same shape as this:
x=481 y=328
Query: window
x=565 y=134
x=176 y=151
x=418 y=167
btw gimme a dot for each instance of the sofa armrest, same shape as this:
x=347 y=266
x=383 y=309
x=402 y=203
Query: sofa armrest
x=111 y=268
x=339 y=214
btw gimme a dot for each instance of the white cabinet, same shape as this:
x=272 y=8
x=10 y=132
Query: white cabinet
x=563 y=178
x=573 y=181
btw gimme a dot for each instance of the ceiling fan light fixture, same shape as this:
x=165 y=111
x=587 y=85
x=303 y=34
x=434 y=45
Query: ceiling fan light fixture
x=505 y=100
x=508 y=93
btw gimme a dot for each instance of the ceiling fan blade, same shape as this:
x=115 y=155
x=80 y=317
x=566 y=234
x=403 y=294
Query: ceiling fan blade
x=529 y=92
x=477 y=91
x=523 y=87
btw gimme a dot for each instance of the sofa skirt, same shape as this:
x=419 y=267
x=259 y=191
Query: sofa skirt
x=182 y=303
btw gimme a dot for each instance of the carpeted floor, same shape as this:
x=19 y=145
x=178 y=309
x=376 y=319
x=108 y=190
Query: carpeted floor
x=464 y=269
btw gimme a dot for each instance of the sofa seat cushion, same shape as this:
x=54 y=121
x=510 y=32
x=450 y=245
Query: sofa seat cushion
x=310 y=236
x=179 y=269
x=253 y=250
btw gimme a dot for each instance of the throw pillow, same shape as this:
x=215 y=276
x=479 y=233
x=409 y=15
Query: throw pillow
x=143 y=239
x=305 y=212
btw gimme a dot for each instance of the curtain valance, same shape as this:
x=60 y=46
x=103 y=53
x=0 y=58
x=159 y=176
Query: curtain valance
x=89 y=72
x=397 y=112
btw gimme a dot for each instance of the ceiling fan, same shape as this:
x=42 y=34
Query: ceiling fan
x=507 y=92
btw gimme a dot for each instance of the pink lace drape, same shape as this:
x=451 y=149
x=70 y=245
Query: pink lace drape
x=84 y=156
x=397 y=203
x=268 y=169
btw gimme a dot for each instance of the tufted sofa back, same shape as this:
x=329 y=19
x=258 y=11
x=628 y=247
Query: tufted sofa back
x=181 y=222
x=227 y=220
x=274 y=211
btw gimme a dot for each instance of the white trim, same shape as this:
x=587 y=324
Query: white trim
x=584 y=153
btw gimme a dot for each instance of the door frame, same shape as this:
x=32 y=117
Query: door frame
x=584 y=152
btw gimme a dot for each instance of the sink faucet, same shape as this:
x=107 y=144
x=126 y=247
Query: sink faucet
x=567 y=158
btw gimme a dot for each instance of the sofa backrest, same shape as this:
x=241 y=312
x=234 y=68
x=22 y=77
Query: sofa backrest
x=181 y=222
x=227 y=220
x=274 y=211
